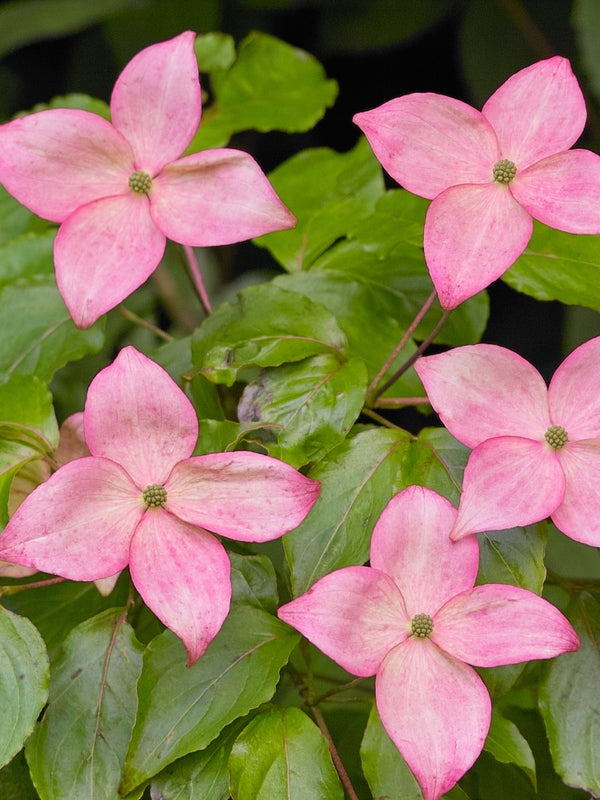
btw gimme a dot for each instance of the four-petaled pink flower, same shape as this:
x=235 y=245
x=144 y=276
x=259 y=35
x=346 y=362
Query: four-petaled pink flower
x=414 y=620
x=141 y=500
x=488 y=173
x=536 y=449
x=120 y=190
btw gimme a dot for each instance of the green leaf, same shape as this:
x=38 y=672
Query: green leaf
x=24 y=674
x=38 y=335
x=514 y=556
x=15 y=781
x=270 y=86
x=28 y=426
x=358 y=479
x=183 y=709
x=56 y=610
x=15 y=219
x=357 y=311
x=312 y=404
x=508 y=746
x=436 y=460
x=199 y=776
x=385 y=770
x=214 y=51
x=570 y=702
x=253 y=581
x=265 y=327
x=282 y=755
x=22 y=23
x=79 y=747
x=559 y=266
x=26 y=256
x=327 y=192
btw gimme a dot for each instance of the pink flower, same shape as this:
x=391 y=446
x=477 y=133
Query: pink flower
x=490 y=172
x=141 y=500
x=536 y=449
x=412 y=619
x=120 y=190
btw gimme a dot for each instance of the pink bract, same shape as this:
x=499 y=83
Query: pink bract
x=536 y=450
x=75 y=168
x=434 y=706
x=480 y=219
x=142 y=500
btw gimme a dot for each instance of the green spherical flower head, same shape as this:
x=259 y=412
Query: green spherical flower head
x=140 y=182
x=504 y=171
x=556 y=436
x=421 y=625
x=154 y=496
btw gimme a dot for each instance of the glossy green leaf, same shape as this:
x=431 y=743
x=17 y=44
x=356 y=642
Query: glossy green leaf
x=214 y=51
x=559 y=266
x=24 y=675
x=265 y=327
x=358 y=313
x=270 y=86
x=311 y=404
x=26 y=256
x=514 y=556
x=358 y=479
x=253 y=581
x=183 y=709
x=57 y=609
x=223 y=436
x=436 y=460
x=508 y=745
x=38 y=335
x=79 y=747
x=24 y=22
x=28 y=426
x=199 y=776
x=327 y=192
x=282 y=755
x=15 y=781
x=15 y=219
x=570 y=701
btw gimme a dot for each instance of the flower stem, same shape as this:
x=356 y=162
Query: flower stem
x=194 y=268
x=408 y=333
x=334 y=753
x=408 y=364
x=133 y=317
x=22 y=587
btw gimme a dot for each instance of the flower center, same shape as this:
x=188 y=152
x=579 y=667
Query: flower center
x=421 y=625
x=556 y=436
x=504 y=171
x=155 y=496
x=140 y=182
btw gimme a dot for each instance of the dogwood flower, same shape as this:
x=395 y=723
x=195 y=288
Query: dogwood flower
x=120 y=190
x=415 y=621
x=488 y=173
x=536 y=450
x=142 y=500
